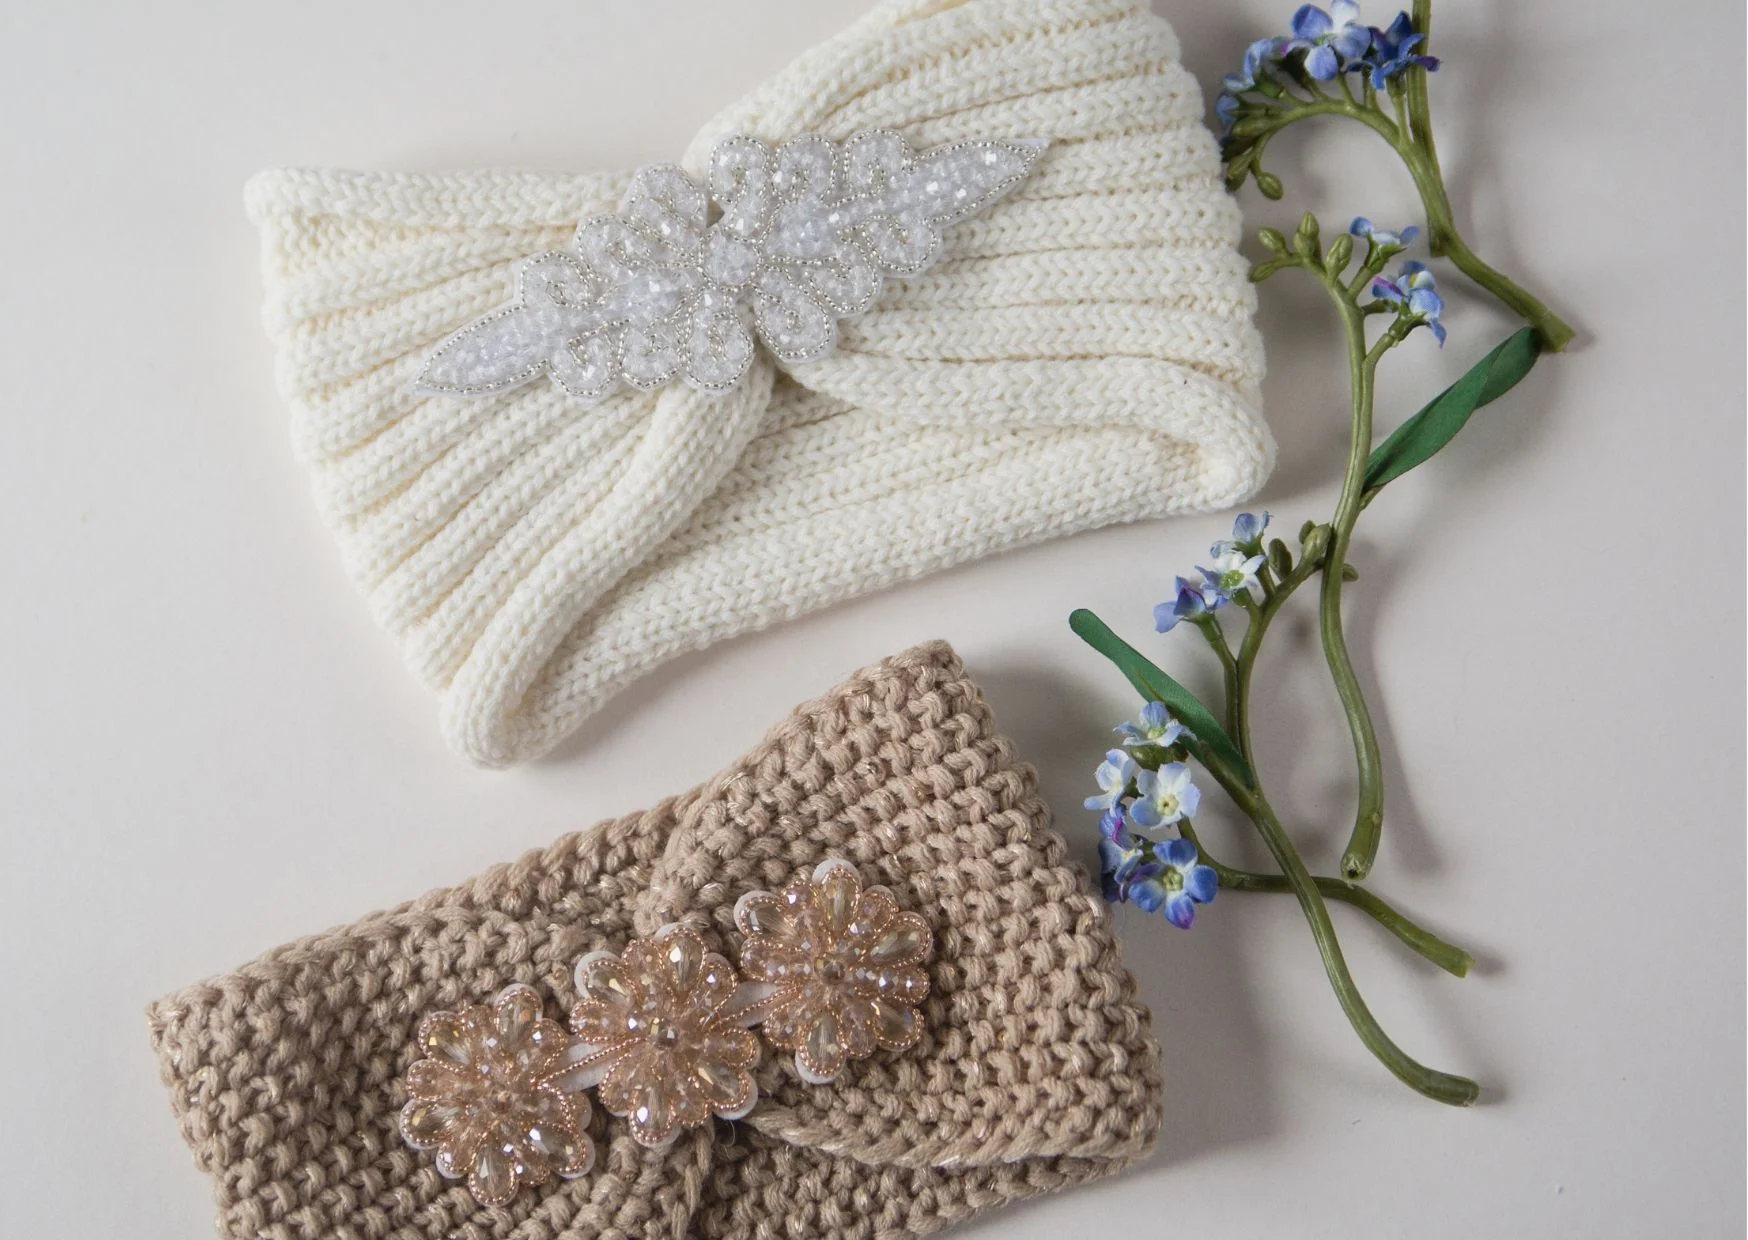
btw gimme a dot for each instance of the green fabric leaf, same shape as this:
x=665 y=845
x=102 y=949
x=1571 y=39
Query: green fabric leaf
x=1155 y=686
x=1436 y=425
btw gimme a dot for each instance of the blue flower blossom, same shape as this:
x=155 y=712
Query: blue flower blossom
x=1120 y=855
x=1233 y=571
x=1247 y=529
x=1247 y=533
x=1144 y=887
x=1164 y=797
x=1153 y=876
x=1193 y=600
x=1393 y=53
x=1226 y=110
x=1157 y=727
x=1414 y=292
x=1332 y=39
x=1382 y=238
x=1113 y=776
x=1256 y=56
x=1176 y=882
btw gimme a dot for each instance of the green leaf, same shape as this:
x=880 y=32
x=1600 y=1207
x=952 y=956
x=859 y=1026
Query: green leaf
x=1155 y=686
x=1436 y=425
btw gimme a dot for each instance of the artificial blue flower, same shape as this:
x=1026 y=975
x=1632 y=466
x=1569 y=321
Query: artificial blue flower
x=1393 y=51
x=1383 y=239
x=1145 y=888
x=1226 y=109
x=1256 y=56
x=1248 y=528
x=1193 y=599
x=1414 y=292
x=1332 y=38
x=1157 y=727
x=1177 y=882
x=1120 y=855
x=1247 y=533
x=1164 y=797
x=1233 y=570
x=1113 y=775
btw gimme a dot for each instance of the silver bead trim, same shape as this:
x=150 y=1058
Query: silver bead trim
x=782 y=244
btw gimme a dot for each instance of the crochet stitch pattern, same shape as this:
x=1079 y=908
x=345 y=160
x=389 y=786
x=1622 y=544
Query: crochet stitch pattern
x=1036 y=1068
x=531 y=555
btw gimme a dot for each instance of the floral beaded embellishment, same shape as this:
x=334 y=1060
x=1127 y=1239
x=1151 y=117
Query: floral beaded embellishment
x=834 y=973
x=662 y=1033
x=842 y=967
x=491 y=1099
x=779 y=243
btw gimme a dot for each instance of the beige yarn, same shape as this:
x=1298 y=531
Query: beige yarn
x=1036 y=1069
x=1084 y=355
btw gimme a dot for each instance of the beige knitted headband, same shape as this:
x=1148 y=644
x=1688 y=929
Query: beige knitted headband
x=1031 y=1068
x=1080 y=351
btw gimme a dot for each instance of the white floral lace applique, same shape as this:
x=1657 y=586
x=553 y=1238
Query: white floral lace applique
x=804 y=236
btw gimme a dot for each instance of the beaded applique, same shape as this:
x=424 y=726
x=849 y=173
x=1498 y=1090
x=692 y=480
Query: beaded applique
x=844 y=965
x=489 y=1098
x=780 y=244
x=663 y=1032
x=662 y=1035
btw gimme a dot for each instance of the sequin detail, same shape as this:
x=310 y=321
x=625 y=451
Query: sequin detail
x=802 y=236
x=661 y=1032
x=845 y=965
x=488 y=1100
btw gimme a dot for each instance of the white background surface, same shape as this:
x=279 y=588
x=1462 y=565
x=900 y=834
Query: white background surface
x=206 y=748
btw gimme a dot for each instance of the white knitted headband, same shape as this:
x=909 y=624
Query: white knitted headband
x=567 y=427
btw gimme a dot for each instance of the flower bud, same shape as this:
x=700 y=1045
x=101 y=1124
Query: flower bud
x=1280 y=559
x=1316 y=543
x=1269 y=185
x=1273 y=242
x=1336 y=261
x=1307 y=241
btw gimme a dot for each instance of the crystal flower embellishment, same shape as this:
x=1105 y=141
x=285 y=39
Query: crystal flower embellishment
x=841 y=967
x=490 y=1097
x=662 y=1032
x=779 y=243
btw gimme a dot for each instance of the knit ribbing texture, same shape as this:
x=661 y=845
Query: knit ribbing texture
x=1084 y=354
x=1036 y=1070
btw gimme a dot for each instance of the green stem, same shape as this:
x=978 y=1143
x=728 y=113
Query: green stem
x=1362 y=847
x=1439 y=1086
x=1445 y=242
x=1421 y=153
x=1244 y=667
x=1216 y=635
x=1413 y=143
x=1419 y=103
x=1447 y=956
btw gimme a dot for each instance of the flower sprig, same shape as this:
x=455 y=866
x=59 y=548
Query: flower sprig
x=1149 y=784
x=1332 y=64
x=1146 y=786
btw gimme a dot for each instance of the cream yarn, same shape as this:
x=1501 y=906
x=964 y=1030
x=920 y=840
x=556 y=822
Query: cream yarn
x=1083 y=355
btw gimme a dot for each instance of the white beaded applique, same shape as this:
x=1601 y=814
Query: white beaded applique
x=802 y=236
